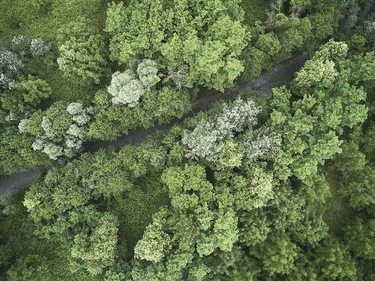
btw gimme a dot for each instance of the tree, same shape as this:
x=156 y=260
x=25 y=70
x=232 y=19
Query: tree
x=359 y=235
x=125 y=89
x=110 y=120
x=205 y=141
x=20 y=45
x=323 y=62
x=155 y=242
x=61 y=209
x=334 y=261
x=277 y=254
x=30 y=267
x=270 y=46
x=97 y=250
x=128 y=87
x=147 y=71
x=206 y=37
x=39 y=48
x=165 y=104
x=81 y=50
x=59 y=131
x=325 y=21
x=25 y=95
x=358 y=185
x=17 y=154
x=213 y=138
x=311 y=126
x=293 y=33
x=11 y=67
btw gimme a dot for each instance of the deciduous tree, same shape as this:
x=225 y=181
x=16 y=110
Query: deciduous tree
x=82 y=51
x=207 y=37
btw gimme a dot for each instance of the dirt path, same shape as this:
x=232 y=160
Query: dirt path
x=18 y=181
x=276 y=77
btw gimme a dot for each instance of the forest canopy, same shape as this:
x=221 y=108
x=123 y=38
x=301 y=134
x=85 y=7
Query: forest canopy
x=104 y=99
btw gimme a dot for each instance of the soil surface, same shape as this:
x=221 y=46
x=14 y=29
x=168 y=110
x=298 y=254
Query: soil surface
x=277 y=76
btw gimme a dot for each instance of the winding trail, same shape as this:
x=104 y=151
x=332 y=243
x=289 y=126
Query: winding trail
x=277 y=76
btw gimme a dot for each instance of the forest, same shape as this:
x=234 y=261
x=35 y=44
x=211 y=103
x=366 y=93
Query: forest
x=256 y=187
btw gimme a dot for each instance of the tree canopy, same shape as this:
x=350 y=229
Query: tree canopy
x=203 y=40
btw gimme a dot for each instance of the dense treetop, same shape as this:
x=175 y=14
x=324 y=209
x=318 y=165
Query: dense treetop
x=201 y=39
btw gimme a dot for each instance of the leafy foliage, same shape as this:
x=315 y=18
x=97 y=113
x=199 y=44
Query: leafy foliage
x=312 y=125
x=212 y=139
x=227 y=195
x=157 y=106
x=207 y=37
x=81 y=50
x=26 y=96
x=11 y=66
x=127 y=87
x=59 y=131
x=97 y=250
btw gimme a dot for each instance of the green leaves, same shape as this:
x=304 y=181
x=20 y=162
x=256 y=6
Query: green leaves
x=334 y=261
x=155 y=241
x=129 y=86
x=277 y=254
x=207 y=38
x=30 y=267
x=156 y=106
x=81 y=51
x=59 y=131
x=187 y=187
x=312 y=125
x=26 y=95
x=359 y=236
x=98 y=250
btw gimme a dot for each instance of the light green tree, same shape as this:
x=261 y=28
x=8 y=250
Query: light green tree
x=59 y=131
x=311 y=126
x=82 y=51
x=155 y=242
x=128 y=87
x=97 y=250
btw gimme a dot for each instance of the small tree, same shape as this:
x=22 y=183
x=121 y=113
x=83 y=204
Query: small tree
x=128 y=87
x=20 y=45
x=39 y=48
x=25 y=95
x=98 y=250
x=147 y=72
x=81 y=51
x=59 y=131
x=11 y=66
x=125 y=89
x=155 y=241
